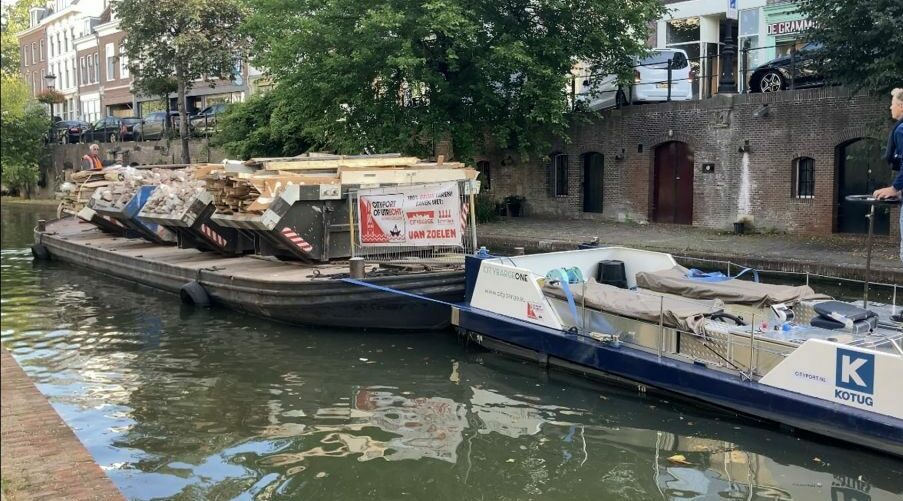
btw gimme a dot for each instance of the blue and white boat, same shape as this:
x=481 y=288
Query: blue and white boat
x=779 y=353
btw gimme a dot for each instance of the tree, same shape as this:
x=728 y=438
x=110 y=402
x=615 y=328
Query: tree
x=161 y=87
x=402 y=75
x=861 y=41
x=259 y=127
x=14 y=20
x=23 y=124
x=188 y=40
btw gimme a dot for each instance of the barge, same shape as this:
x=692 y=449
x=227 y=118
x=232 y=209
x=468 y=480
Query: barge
x=806 y=362
x=299 y=293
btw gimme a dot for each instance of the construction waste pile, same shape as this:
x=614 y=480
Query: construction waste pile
x=252 y=192
x=180 y=189
x=125 y=182
x=78 y=190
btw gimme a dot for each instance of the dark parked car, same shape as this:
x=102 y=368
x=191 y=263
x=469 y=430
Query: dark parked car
x=69 y=131
x=111 y=129
x=205 y=120
x=155 y=125
x=775 y=75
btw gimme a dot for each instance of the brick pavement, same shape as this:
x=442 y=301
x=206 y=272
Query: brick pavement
x=40 y=457
x=840 y=255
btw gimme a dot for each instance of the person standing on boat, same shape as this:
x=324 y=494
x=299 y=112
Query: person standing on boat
x=894 y=156
x=92 y=160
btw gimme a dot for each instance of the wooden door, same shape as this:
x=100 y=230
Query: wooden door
x=593 y=169
x=673 y=184
x=861 y=171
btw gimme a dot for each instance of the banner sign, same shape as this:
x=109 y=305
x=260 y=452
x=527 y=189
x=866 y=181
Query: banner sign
x=420 y=216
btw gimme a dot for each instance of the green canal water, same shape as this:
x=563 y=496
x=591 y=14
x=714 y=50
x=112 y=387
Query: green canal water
x=178 y=403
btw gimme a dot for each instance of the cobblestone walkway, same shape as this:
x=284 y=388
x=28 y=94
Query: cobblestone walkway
x=40 y=457
x=839 y=255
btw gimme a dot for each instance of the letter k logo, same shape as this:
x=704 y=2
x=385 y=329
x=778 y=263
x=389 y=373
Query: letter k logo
x=855 y=371
x=848 y=370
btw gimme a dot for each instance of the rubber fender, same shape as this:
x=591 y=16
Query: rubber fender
x=40 y=252
x=193 y=293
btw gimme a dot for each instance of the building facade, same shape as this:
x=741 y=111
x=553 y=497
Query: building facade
x=80 y=43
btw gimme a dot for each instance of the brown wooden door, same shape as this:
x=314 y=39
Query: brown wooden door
x=862 y=170
x=673 y=184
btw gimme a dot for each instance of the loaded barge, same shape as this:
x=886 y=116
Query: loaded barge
x=778 y=353
x=281 y=241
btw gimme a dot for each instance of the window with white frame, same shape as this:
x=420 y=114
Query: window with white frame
x=111 y=61
x=804 y=178
x=25 y=56
x=96 y=67
x=123 y=62
x=43 y=74
x=41 y=49
x=34 y=47
x=64 y=83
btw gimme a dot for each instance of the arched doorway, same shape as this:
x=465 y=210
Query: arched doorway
x=672 y=188
x=593 y=170
x=861 y=169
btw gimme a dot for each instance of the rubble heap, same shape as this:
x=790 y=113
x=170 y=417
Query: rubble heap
x=79 y=188
x=174 y=196
x=126 y=181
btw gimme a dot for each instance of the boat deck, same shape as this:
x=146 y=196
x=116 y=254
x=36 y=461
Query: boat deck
x=243 y=267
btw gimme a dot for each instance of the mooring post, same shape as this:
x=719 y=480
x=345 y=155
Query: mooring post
x=42 y=225
x=752 y=338
x=356 y=265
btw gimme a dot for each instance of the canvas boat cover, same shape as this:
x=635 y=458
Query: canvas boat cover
x=733 y=291
x=677 y=313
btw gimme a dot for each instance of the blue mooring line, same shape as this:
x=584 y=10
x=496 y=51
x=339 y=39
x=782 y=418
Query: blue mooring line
x=361 y=283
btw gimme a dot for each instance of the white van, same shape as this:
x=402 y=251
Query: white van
x=650 y=82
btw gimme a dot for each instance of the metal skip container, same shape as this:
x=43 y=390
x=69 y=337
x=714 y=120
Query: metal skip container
x=195 y=230
x=305 y=222
x=126 y=215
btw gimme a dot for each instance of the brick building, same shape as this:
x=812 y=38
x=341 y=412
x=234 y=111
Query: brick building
x=780 y=162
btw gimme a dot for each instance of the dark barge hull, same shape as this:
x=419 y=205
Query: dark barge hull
x=286 y=291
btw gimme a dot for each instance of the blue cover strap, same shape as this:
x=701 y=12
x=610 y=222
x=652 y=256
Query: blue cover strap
x=717 y=276
x=399 y=292
x=567 y=291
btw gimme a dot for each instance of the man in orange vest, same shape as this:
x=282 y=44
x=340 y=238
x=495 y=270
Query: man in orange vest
x=92 y=160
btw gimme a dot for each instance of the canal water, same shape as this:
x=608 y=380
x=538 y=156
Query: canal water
x=178 y=403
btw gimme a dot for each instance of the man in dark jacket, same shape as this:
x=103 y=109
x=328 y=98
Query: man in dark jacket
x=894 y=156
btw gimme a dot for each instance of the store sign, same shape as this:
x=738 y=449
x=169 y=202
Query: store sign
x=789 y=27
x=411 y=215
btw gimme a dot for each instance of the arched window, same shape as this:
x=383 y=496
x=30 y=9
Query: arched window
x=485 y=175
x=804 y=177
x=558 y=175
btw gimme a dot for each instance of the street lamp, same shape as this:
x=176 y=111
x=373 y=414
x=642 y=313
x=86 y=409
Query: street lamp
x=48 y=81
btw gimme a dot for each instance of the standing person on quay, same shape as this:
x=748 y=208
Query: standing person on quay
x=894 y=156
x=92 y=160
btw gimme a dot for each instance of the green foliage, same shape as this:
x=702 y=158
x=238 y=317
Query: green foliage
x=22 y=130
x=259 y=127
x=485 y=209
x=157 y=86
x=189 y=40
x=13 y=95
x=402 y=75
x=15 y=20
x=861 y=41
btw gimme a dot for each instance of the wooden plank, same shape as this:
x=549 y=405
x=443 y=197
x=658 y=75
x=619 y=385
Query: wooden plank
x=347 y=162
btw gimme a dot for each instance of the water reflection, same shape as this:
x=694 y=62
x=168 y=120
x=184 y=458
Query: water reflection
x=209 y=404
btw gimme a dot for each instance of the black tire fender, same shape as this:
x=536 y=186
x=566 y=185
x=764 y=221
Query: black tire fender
x=40 y=252
x=194 y=293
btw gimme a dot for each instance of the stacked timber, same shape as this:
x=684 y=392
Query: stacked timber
x=81 y=186
x=253 y=192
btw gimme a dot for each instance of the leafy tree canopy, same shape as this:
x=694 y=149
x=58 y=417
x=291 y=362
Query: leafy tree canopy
x=259 y=127
x=23 y=126
x=188 y=40
x=400 y=75
x=862 y=41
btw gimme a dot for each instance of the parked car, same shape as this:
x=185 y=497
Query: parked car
x=155 y=125
x=111 y=130
x=205 y=120
x=775 y=75
x=650 y=82
x=69 y=131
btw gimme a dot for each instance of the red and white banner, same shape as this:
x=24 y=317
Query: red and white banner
x=422 y=216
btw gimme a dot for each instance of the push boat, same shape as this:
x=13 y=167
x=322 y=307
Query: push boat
x=777 y=353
